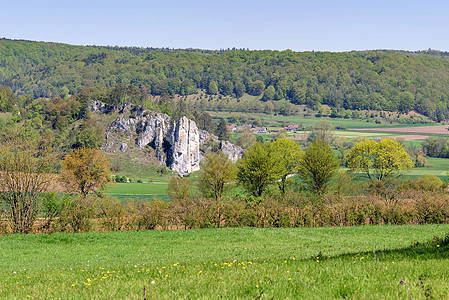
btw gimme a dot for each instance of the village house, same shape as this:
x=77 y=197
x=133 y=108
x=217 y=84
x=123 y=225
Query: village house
x=232 y=127
x=293 y=127
x=259 y=130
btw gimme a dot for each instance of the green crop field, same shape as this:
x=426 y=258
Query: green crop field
x=306 y=263
x=438 y=167
x=133 y=188
x=140 y=192
x=308 y=121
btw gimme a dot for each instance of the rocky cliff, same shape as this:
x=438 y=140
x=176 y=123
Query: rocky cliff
x=176 y=143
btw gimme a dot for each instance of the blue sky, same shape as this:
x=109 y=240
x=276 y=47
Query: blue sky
x=322 y=25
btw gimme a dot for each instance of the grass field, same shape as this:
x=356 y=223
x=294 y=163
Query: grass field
x=439 y=167
x=139 y=192
x=147 y=191
x=248 y=263
x=133 y=188
x=308 y=121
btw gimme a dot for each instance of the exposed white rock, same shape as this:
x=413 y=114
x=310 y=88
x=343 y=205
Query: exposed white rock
x=183 y=154
x=233 y=152
x=176 y=144
x=98 y=106
x=124 y=147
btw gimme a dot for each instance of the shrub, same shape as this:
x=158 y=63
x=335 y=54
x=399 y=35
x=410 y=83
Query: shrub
x=112 y=212
x=429 y=183
x=76 y=213
x=152 y=214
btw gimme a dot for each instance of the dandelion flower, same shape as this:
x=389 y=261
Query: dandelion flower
x=153 y=282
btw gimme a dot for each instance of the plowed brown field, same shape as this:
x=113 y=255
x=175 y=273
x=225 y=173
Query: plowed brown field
x=441 y=129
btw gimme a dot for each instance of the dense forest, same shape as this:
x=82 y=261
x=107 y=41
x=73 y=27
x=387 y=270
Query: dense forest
x=381 y=80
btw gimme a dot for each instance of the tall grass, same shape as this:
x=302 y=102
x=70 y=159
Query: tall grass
x=365 y=262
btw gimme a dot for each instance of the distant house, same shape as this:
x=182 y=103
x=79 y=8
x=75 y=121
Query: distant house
x=259 y=130
x=232 y=127
x=293 y=127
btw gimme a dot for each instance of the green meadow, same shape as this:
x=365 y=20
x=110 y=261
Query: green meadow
x=131 y=191
x=308 y=121
x=147 y=191
x=437 y=166
x=368 y=262
x=133 y=188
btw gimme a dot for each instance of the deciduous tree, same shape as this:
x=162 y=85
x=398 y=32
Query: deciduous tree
x=25 y=164
x=269 y=93
x=245 y=139
x=179 y=188
x=85 y=170
x=321 y=130
x=318 y=166
x=379 y=160
x=258 y=169
x=288 y=155
x=213 y=88
x=216 y=173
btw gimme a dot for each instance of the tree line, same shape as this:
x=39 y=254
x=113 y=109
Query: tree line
x=29 y=179
x=379 y=80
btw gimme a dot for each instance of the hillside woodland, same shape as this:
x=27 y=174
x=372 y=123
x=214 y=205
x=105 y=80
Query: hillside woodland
x=379 y=80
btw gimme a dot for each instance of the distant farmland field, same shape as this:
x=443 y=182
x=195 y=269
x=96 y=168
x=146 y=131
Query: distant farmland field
x=442 y=129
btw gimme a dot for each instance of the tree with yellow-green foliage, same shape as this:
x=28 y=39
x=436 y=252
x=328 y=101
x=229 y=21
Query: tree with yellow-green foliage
x=288 y=155
x=258 y=169
x=318 y=166
x=379 y=160
x=216 y=173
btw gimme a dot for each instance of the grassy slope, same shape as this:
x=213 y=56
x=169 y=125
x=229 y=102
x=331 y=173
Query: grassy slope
x=230 y=263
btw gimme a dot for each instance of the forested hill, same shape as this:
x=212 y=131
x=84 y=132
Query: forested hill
x=387 y=80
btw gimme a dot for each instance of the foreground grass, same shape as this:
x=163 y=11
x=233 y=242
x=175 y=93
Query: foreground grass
x=318 y=263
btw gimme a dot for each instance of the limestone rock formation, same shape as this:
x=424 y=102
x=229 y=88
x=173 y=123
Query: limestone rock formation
x=98 y=106
x=232 y=151
x=183 y=155
x=176 y=143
